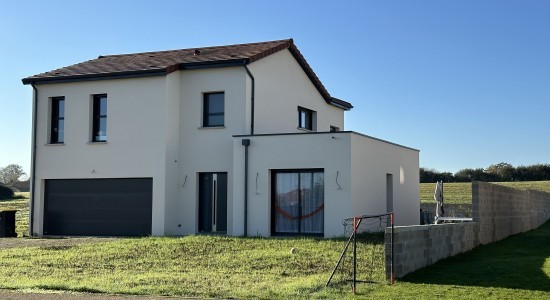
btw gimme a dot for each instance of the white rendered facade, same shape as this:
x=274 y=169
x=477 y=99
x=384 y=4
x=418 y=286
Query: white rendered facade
x=155 y=130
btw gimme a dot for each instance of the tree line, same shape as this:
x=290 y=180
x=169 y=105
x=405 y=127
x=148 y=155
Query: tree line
x=494 y=173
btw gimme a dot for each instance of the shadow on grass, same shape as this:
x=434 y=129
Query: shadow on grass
x=516 y=263
x=16 y=197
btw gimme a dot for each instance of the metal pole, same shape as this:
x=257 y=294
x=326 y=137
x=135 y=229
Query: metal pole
x=392 y=276
x=246 y=144
x=354 y=253
x=251 y=98
x=340 y=260
x=33 y=160
x=442 y=200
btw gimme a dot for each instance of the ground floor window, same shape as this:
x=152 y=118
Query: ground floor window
x=298 y=202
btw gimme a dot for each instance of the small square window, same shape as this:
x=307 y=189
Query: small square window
x=305 y=118
x=99 y=126
x=57 y=130
x=213 y=110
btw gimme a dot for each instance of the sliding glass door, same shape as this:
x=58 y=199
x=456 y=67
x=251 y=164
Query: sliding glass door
x=298 y=202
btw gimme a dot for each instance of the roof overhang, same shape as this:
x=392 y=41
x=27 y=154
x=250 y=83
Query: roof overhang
x=135 y=74
x=93 y=77
x=164 y=70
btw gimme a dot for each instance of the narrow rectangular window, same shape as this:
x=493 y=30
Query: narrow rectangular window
x=305 y=118
x=213 y=110
x=57 y=131
x=99 y=127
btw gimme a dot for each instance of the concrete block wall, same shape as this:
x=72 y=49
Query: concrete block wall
x=502 y=211
x=498 y=212
x=416 y=247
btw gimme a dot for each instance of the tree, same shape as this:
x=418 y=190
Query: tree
x=479 y=174
x=11 y=174
x=497 y=172
x=502 y=171
x=431 y=175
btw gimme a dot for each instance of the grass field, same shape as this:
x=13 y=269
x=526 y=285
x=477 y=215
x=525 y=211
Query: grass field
x=259 y=268
x=461 y=192
x=197 y=266
x=227 y=267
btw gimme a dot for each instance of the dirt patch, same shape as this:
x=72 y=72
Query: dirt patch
x=17 y=295
x=52 y=243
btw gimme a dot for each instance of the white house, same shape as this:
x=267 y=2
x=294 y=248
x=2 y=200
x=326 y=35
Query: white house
x=240 y=139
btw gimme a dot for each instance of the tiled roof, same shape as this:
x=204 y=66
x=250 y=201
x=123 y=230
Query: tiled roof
x=164 y=62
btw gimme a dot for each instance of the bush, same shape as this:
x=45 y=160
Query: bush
x=5 y=192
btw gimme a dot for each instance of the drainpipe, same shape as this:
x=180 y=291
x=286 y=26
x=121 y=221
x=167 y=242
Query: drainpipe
x=251 y=99
x=33 y=161
x=246 y=144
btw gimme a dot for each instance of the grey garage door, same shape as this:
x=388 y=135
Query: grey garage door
x=98 y=207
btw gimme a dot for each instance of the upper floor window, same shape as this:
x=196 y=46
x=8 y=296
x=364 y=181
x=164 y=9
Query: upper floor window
x=57 y=130
x=213 y=110
x=99 y=118
x=305 y=118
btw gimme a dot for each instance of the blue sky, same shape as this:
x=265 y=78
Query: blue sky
x=466 y=82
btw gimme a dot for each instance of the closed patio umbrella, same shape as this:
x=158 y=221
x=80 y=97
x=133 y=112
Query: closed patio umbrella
x=438 y=197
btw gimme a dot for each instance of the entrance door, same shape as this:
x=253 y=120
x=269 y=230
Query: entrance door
x=212 y=202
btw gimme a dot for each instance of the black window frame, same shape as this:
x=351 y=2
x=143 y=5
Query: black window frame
x=206 y=113
x=97 y=117
x=55 y=138
x=305 y=118
x=273 y=214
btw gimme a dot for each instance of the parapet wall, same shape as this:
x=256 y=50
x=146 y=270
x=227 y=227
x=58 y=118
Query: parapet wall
x=498 y=212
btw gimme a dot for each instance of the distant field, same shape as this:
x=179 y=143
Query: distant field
x=461 y=192
x=528 y=185
x=22 y=215
x=453 y=193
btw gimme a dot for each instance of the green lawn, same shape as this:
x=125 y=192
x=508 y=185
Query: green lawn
x=22 y=215
x=201 y=266
x=227 y=267
x=515 y=268
x=461 y=192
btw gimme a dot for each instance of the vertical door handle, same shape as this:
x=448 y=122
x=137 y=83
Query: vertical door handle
x=214 y=201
